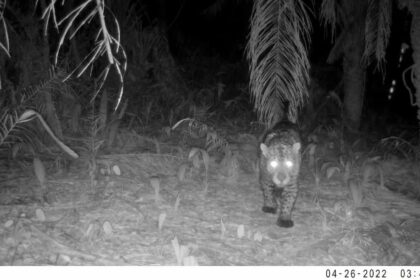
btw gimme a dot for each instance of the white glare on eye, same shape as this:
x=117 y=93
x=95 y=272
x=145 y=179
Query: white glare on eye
x=274 y=164
x=288 y=163
x=393 y=82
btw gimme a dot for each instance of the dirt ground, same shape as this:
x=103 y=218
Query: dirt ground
x=164 y=209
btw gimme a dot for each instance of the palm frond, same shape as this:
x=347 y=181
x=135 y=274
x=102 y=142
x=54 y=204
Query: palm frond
x=54 y=84
x=8 y=121
x=106 y=44
x=277 y=52
x=377 y=30
x=14 y=131
x=329 y=15
x=4 y=46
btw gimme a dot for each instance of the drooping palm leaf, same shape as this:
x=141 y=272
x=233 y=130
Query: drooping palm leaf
x=106 y=43
x=377 y=30
x=13 y=130
x=277 y=52
x=329 y=14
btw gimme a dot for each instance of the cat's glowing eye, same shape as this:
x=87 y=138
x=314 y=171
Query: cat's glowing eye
x=288 y=163
x=274 y=163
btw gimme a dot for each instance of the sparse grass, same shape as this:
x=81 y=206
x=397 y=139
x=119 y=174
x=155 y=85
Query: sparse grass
x=362 y=172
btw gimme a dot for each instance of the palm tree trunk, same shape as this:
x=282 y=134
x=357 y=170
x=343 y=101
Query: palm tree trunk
x=354 y=71
x=353 y=86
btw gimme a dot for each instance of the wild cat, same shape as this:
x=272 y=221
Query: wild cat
x=279 y=167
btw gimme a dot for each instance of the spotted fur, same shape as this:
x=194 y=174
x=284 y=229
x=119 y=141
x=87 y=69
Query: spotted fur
x=279 y=166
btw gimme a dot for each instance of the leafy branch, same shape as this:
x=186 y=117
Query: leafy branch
x=105 y=43
x=10 y=121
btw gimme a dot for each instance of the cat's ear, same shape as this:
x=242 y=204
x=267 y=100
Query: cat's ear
x=296 y=147
x=264 y=149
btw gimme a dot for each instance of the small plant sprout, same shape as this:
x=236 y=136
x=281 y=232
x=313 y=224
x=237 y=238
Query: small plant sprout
x=258 y=236
x=311 y=154
x=155 y=183
x=181 y=254
x=232 y=167
x=157 y=146
x=206 y=187
x=177 y=201
x=355 y=192
x=8 y=223
x=241 y=231
x=40 y=172
x=222 y=228
x=177 y=250
x=162 y=218
x=39 y=214
x=181 y=172
x=381 y=179
x=116 y=170
x=317 y=179
x=107 y=227
x=370 y=171
x=194 y=157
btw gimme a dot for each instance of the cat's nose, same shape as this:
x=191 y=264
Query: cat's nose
x=281 y=178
